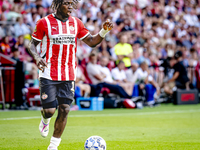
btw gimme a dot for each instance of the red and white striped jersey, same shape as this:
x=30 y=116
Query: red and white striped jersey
x=58 y=46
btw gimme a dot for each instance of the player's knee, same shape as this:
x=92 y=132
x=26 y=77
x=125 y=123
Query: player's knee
x=49 y=112
x=64 y=109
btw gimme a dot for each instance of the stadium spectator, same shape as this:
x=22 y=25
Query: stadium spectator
x=124 y=51
x=104 y=69
x=142 y=28
x=144 y=57
x=97 y=77
x=46 y=3
x=20 y=79
x=192 y=62
x=180 y=78
x=83 y=51
x=40 y=11
x=143 y=77
x=28 y=6
x=29 y=68
x=21 y=28
x=80 y=78
x=32 y=17
x=119 y=76
x=130 y=73
x=24 y=56
x=118 y=73
x=128 y=87
x=5 y=47
x=94 y=71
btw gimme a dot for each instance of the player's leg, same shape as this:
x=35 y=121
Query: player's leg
x=65 y=98
x=46 y=114
x=60 y=123
x=61 y=120
x=48 y=93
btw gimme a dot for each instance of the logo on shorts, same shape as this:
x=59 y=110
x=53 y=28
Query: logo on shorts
x=44 y=96
x=71 y=28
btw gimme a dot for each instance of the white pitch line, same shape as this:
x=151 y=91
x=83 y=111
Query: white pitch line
x=108 y=115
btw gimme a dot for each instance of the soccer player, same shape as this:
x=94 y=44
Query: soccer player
x=57 y=33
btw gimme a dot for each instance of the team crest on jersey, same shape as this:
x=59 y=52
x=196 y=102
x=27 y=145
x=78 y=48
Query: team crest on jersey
x=71 y=28
x=44 y=96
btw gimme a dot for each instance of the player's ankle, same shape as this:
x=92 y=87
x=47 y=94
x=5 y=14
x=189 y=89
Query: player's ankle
x=46 y=120
x=54 y=142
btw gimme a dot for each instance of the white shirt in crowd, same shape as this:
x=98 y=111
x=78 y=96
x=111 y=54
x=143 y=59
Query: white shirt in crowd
x=94 y=10
x=170 y=24
x=92 y=70
x=181 y=33
x=142 y=3
x=107 y=72
x=131 y=76
x=116 y=14
x=137 y=76
x=79 y=73
x=118 y=75
x=161 y=31
x=191 y=20
x=169 y=9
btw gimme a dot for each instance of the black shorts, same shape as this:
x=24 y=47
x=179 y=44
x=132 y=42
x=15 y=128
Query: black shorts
x=55 y=93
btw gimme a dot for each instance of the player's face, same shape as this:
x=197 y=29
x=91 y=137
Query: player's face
x=66 y=8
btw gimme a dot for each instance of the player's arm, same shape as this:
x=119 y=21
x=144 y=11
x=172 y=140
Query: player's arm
x=175 y=76
x=94 y=40
x=41 y=63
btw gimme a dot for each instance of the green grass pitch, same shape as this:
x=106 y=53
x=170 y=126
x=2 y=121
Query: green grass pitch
x=167 y=127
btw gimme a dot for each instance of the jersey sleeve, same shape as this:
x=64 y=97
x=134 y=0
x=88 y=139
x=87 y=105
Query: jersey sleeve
x=39 y=31
x=82 y=31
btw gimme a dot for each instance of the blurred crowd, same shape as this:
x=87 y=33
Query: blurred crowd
x=153 y=42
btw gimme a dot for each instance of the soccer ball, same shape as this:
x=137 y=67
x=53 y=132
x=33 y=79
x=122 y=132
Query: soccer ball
x=95 y=143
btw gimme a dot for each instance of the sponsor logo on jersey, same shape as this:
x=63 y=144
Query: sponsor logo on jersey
x=54 y=28
x=64 y=39
x=71 y=28
x=44 y=96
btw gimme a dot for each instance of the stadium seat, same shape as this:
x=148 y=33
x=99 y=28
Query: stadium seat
x=33 y=95
x=111 y=65
x=84 y=71
x=84 y=62
x=105 y=90
x=197 y=74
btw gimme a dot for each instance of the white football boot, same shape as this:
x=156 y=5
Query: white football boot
x=44 y=128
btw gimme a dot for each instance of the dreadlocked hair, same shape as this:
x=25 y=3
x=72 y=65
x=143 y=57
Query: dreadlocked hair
x=56 y=4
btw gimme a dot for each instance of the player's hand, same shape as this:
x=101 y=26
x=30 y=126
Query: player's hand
x=41 y=63
x=108 y=25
